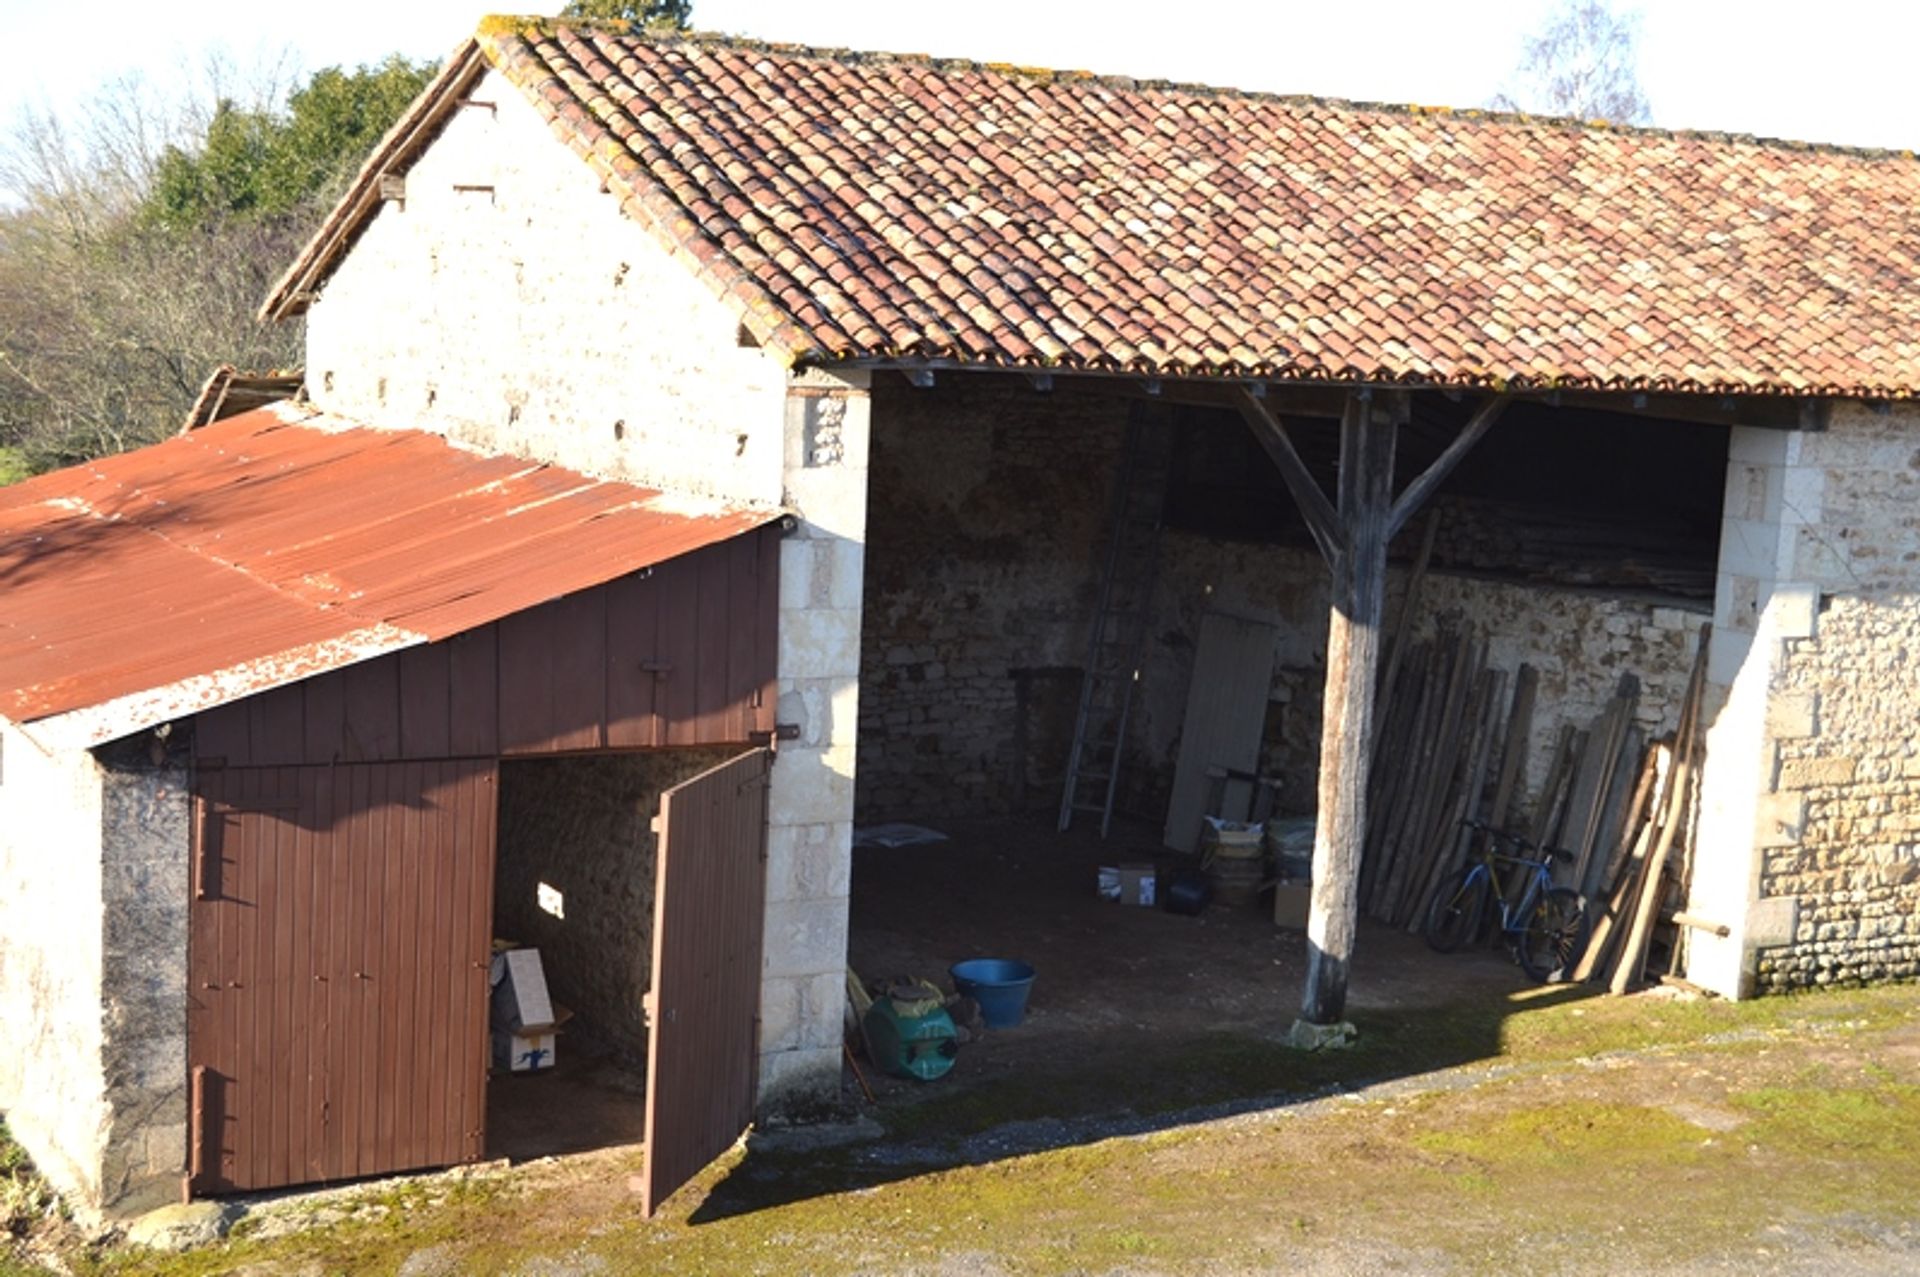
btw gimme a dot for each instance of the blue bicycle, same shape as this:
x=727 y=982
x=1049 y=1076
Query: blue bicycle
x=1547 y=930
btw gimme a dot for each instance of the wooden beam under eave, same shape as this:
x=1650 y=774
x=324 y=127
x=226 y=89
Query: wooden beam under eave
x=1322 y=520
x=1417 y=492
x=1769 y=412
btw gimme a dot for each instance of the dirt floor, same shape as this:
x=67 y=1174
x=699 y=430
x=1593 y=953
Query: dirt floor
x=587 y=1100
x=1112 y=980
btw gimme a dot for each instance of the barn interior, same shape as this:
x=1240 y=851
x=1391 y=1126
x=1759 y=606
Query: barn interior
x=1577 y=543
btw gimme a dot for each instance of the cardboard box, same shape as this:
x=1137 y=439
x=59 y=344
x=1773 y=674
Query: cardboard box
x=524 y=1017
x=1290 y=904
x=523 y=1052
x=1129 y=883
x=520 y=999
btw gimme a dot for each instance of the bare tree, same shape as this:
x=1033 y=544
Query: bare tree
x=138 y=233
x=1584 y=62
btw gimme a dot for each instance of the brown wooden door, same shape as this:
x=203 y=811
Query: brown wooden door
x=703 y=1053
x=337 y=971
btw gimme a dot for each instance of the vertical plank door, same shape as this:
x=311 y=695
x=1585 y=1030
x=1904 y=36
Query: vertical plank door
x=703 y=1048
x=337 y=971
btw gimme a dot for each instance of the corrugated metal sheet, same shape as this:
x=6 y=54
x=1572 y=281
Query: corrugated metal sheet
x=703 y=1049
x=283 y=543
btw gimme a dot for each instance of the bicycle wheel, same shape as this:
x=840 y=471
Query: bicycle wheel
x=1555 y=933
x=1454 y=916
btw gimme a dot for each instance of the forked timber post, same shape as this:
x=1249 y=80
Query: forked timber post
x=1353 y=537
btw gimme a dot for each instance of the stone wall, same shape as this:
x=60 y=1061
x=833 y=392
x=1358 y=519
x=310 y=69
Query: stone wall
x=989 y=504
x=584 y=826
x=146 y=814
x=989 y=509
x=810 y=794
x=1822 y=600
x=51 y=1087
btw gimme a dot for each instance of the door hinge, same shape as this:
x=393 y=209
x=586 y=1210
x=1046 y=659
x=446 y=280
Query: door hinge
x=771 y=740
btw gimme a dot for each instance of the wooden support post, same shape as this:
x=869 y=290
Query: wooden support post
x=1367 y=434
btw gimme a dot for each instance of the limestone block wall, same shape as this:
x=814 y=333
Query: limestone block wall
x=52 y=1088
x=508 y=303
x=989 y=509
x=826 y=429
x=1810 y=838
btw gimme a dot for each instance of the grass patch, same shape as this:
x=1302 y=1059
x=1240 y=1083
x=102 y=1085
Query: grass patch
x=1882 y=1119
x=1546 y=1025
x=25 y=1198
x=1567 y=1136
x=13 y=466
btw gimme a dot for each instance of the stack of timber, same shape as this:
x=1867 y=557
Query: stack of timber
x=1647 y=869
x=1452 y=744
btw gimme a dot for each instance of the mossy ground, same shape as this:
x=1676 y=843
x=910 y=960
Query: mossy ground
x=1659 y=1133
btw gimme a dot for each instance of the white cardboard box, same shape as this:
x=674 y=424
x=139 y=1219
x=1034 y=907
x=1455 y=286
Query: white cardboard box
x=522 y=1052
x=520 y=999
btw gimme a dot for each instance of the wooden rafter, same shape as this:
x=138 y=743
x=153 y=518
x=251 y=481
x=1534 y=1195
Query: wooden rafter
x=1420 y=489
x=1323 y=521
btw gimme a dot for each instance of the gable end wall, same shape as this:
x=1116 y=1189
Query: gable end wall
x=508 y=303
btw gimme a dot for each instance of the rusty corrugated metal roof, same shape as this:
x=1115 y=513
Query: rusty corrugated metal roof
x=282 y=543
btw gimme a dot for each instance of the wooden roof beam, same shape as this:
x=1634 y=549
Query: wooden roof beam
x=1323 y=521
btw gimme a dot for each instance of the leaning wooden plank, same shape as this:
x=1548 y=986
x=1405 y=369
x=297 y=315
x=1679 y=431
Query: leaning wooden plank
x=1613 y=814
x=1639 y=808
x=1626 y=881
x=1435 y=758
x=1593 y=816
x=1410 y=602
x=1559 y=815
x=1519 y=734
x=1443 y=840
x=1409 y=763
x=1385 y=774
x=1686 y=748
x=1489 y=701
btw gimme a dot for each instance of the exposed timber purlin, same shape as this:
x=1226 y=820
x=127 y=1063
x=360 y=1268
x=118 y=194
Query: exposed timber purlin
x=1353 y=537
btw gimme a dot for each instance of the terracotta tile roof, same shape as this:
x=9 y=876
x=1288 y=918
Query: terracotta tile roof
x=858 y=207
x=282 y=543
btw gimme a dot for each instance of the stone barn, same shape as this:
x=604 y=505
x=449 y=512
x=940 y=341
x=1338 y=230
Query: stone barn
x=941 y=318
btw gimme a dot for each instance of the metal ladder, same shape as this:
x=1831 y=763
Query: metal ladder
x=1120 y=622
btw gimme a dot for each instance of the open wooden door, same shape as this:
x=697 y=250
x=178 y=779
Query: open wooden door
x=703 y=1053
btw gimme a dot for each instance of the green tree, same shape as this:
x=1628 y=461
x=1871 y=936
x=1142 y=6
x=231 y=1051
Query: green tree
x=644 y=13
x=264 y=163
x=139 y=235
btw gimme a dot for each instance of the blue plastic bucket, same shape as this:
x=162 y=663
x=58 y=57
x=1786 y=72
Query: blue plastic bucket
x=999 y=985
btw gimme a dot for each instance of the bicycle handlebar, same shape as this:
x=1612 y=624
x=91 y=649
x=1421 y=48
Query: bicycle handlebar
x=1520 y=841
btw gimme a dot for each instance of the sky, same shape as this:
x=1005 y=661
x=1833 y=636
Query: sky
x=1833 y=71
